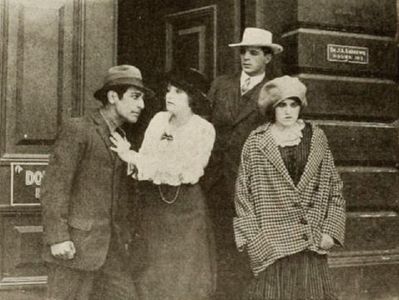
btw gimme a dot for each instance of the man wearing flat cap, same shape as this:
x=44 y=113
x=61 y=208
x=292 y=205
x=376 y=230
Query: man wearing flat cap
x=235 y=114
x=87 y=229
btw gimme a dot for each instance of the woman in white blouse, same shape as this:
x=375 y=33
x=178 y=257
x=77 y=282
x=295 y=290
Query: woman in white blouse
x=176 y=148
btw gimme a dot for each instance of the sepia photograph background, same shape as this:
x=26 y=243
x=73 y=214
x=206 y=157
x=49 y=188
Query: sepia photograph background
x=54 y=54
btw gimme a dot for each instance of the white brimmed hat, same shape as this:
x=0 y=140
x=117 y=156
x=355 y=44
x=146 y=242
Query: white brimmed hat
x=257 y=37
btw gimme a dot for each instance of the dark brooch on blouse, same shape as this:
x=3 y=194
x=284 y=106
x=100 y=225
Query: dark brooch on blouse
x=167 y=137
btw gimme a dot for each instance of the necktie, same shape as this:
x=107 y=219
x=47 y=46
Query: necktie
x=245 y=85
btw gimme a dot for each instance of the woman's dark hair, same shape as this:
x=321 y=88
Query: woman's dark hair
x=119 y=89
x=197 y=105
x=270 y=112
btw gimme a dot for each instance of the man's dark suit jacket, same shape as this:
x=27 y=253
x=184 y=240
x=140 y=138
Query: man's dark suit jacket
x=85 y=194
x=234 y=117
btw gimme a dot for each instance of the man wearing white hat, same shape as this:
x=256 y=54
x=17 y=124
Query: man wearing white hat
x=235 y=114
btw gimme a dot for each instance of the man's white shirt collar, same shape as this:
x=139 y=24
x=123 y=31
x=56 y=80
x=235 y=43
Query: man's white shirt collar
x=254 y=79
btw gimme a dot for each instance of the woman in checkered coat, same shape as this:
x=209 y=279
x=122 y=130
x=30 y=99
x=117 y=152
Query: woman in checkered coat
x=289 y=204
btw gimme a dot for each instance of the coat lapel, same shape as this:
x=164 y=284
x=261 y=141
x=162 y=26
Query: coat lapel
x=103 y=131
x=248 y=102
x=318 y=147
x=270 y=149
x=235 y=93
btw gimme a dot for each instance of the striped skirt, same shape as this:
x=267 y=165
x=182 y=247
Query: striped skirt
x=301 y=276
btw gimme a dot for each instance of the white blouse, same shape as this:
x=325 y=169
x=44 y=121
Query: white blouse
x=177 y=157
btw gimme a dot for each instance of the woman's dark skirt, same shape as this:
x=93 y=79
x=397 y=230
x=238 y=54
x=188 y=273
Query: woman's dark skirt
x=181 y=250
x=300 y=276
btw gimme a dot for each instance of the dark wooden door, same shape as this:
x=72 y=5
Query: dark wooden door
x=52 y=56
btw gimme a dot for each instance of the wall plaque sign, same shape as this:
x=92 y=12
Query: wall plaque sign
x=26 y=180
x=348 y=54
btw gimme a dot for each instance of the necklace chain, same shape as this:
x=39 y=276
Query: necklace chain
x=164 y=198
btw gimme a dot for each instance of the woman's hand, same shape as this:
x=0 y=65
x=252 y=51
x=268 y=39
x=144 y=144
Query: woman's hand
x=120 y=144
x=122 y=147
x=327 y=242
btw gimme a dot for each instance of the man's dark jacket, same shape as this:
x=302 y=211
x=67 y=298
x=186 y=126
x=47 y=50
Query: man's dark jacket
x=234 y=117
x=85 y=194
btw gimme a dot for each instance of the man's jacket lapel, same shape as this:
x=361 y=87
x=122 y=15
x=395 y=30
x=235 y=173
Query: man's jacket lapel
x=103 y=131
x=248 y=102
x=235 y=100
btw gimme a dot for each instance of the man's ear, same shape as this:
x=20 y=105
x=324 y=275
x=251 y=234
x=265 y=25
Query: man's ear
x=112 y=96
x=268 y=58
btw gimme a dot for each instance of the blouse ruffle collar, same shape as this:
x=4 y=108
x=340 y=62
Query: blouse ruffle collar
x=291 y=136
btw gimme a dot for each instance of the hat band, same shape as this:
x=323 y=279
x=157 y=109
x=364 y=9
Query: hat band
x=125 y=81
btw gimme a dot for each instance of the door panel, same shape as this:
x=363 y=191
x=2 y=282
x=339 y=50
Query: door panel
x=21 y=249
x=37 y=73
x=53 y=55
x=44 y=31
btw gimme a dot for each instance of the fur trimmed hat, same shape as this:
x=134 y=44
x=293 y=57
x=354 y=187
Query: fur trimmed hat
x=279 y=89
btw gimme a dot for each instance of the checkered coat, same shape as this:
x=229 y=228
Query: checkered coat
x=275 y=218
